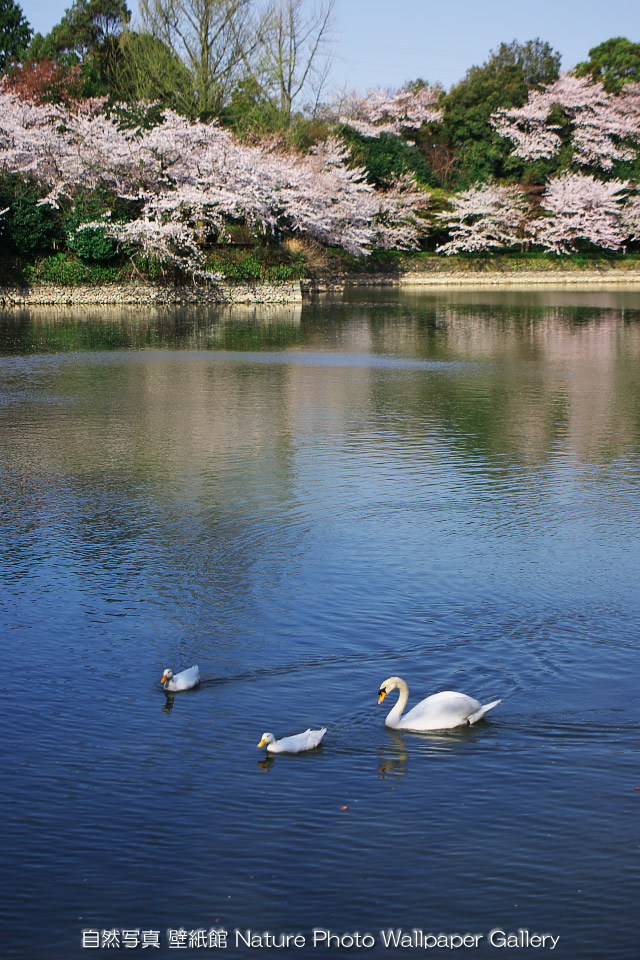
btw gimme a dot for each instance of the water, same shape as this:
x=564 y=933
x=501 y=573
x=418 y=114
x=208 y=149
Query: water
x=305 y=501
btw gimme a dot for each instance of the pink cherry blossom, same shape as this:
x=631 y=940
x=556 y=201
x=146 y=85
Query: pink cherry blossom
x=602 y=124
x=484 y=216
x=579 y=208
x=381 y=112
x=190 y=178
x=630 y=219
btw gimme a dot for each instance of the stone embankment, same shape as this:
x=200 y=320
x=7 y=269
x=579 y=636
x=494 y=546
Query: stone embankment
x=524 y=279
x=149 y=294
x=435 y=272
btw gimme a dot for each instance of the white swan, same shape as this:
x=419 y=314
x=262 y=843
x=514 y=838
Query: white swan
x=440 y=711
x=173 y=682
x=295 y=744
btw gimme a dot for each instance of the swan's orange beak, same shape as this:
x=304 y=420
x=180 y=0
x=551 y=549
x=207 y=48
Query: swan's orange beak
x=381 y=695
x=261 y=744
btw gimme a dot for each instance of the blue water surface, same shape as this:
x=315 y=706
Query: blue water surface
x=305 y=501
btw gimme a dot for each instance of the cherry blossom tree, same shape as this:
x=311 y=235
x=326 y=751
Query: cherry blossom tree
x=579 y=208
x=484 y=216
x=603 y=125
x=630 y=219
x=381 y=112
x=185 y=180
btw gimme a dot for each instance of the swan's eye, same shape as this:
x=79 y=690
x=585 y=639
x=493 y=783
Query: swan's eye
x=382 y=692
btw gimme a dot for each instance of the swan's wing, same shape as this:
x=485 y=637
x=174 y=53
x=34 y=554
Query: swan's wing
x=441 y=711
x=479 y=714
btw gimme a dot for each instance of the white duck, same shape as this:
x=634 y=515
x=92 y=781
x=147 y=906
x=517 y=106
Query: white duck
x=174 y=682
x=440 y=711
x=295 y=744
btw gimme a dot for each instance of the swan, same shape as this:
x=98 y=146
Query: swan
x=295 y=744
x=440 y=711
x=173 y=682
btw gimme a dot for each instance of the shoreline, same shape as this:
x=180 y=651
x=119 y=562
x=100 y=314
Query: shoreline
x=297 y=291
x=471 y=278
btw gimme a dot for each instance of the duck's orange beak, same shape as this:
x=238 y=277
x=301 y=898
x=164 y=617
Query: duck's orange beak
x=261 y=744
x=381 y=695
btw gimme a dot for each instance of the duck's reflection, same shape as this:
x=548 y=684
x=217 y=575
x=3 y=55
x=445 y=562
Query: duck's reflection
x=266 y=763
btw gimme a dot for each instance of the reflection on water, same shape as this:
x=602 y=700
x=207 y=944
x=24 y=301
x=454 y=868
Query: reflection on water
x=394 y=759
x=303 y=500
x=52 y=329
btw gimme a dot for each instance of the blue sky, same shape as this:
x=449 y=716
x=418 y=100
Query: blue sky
x=387 y=42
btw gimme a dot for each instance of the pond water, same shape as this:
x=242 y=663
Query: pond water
x=305 y=501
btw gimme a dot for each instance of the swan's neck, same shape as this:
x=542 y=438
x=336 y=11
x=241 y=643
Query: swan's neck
x=393 y=717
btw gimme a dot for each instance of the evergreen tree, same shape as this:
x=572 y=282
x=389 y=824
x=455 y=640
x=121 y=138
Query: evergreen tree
x=85 y=29
x=89 y=33
x=503 y=81
x=15 y=33
x=614 y=63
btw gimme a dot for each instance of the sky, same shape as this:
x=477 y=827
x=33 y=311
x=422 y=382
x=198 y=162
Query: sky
x=385 y=43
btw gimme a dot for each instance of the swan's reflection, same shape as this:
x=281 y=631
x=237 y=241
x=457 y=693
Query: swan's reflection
x=394 y=758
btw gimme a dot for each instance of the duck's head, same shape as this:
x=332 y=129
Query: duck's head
x=167 y=675
x=267 y=738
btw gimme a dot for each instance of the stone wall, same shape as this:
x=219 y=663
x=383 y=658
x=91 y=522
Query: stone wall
x=472 y=278
x=524 y=278
x=148 y=294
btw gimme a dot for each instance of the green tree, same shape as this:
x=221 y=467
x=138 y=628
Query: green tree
x=15 y=33
x=537 y=61
x=86 y=28
x=27 y=226
x=614 y=63
x=503 y=81
x=88 y=33
x=388 y=157
x=249 y=112
x=142 y=68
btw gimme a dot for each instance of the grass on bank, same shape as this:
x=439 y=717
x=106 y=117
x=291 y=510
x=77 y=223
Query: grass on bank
x=294 y=260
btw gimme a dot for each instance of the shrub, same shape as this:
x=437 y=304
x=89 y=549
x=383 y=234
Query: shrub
x=26 y=227
x=68 y=271
x=92 y=244
x=260 y=265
